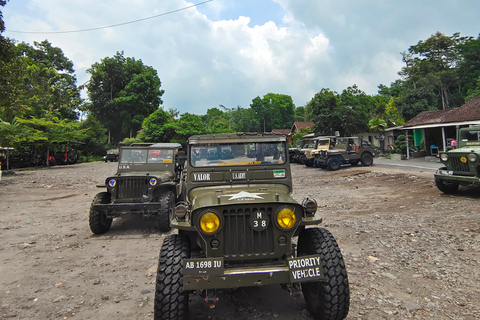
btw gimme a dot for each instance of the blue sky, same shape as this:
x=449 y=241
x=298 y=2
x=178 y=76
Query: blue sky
x=227 y=52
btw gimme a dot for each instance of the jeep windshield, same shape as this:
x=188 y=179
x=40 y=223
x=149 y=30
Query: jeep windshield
x=146 y=156
x=237 y=154
x=470 y=137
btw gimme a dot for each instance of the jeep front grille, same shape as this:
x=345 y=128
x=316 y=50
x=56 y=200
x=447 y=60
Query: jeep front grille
x=458 y=166
x=131 y=189
x=240 y=240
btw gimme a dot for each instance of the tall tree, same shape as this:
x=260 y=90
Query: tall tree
x=4 y=43
x=469 y=67
x=273 y=111
x=347 y=113
x=123 y=92
x=432 y=65
x=50 y=82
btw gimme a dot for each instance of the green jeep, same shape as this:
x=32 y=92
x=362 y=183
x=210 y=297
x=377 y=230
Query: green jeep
x=345 y=150
x=462 y=164
x=239 y=226
x=149 y=179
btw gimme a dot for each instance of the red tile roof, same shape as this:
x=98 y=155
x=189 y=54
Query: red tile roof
x=301 y=125
x=470 y=111
x=282 y=131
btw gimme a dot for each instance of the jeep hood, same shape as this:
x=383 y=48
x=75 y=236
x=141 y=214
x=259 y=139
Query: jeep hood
x=239 y=195
x=465 y=149
x=161 y=175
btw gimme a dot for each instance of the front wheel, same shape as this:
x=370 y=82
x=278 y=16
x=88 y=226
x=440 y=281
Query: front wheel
x=171 y=301
x=99 y=223
x=333 y=164
x=328 y=299
x=165 y=214
x=445 y=186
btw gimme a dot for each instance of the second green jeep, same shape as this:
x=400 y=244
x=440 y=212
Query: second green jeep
x=462 y=164
x=148 y=181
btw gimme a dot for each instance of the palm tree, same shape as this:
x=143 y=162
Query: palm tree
x=379 y=125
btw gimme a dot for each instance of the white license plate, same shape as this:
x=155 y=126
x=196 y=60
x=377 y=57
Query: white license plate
x=445 y=172
x=202 y=267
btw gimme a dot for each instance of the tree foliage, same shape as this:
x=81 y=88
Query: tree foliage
x=123 y=92
x=158 y=127
x=348 y=113
x=440 y=73
x=273 y=111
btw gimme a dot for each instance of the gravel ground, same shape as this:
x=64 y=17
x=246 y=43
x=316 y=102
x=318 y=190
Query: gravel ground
x=411 y=251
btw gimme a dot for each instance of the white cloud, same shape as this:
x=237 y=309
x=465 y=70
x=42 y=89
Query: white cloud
x=204 y=60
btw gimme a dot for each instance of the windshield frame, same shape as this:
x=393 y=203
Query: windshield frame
x=237 y=154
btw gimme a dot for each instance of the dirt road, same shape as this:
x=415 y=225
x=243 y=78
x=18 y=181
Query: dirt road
x=411 y=252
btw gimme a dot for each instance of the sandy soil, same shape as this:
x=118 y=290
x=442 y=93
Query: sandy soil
x=411 y=251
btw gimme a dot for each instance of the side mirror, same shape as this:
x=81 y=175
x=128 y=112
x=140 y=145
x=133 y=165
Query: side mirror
x=181 y=158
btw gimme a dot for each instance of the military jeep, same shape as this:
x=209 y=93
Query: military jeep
x=461 y=165
x=239 y=226
x=148 y=181
x=316 y=146
x=347 y=150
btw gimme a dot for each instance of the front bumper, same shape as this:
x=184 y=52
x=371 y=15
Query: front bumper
x=447 y=175
x=239 y=277
x=116 y=209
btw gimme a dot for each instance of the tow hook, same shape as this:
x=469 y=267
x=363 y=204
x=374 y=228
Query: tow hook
x=211 y=298
x=295 y=290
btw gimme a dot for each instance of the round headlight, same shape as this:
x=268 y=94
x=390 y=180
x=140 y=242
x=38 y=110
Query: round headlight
x=310 y=206
x=112 y=183
x=286 y=218
x=181 y=211
x=209 y=222
x=472 y=157
x=443 y=157
x=153 y=182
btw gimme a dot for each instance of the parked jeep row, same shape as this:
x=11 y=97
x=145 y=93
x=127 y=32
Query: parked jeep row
x=329 y=152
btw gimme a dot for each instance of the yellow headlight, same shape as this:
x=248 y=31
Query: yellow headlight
x=286 y=218
x=209 y=222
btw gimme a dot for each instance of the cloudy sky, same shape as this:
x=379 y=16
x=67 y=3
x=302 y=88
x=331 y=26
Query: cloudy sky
x=226 y=52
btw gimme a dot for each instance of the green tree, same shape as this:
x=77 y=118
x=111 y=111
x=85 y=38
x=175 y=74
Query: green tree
x=158 y=127
x=123 y=92
x=347 y=113
x=469 y=68
x=217 y=121
x=94 y=138
x=188 y=125
x=431 y=65
x=51 y=131
x=273 y=111
x=49 y=83
x=4 y=43
x=244 y=120
x=378 y=125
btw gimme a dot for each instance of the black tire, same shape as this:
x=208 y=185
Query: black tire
x=171 y=301
x=308 y=162
x=366 y=159
x=165 y=214
x=99 y=223
x=333 y=164
x=328 y=299
x=445 y=186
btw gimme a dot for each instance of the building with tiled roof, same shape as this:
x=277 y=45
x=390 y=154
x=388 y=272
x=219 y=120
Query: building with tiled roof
x=438 y=128
x=285 y=132
x=300 y=125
